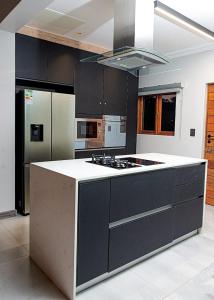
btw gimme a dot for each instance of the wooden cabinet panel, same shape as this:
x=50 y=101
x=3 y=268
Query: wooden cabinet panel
x=138 y=193
x=211 y=96
x=134 y=239
x=187 y=217
x=93 y=230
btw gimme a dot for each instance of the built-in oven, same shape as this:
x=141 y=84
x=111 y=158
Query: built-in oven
x=114 y=131
x=89 y=133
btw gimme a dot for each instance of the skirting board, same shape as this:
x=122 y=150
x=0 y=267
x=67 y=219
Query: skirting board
x=8 y=214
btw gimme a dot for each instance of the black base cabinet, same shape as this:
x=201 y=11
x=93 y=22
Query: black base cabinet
x=123 y=218
x=147 y=191
x=187 y=217
x=134 y=239
x=93 y=230
x=189 y=182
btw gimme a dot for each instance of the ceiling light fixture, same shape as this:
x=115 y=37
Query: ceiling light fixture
x=179 y=19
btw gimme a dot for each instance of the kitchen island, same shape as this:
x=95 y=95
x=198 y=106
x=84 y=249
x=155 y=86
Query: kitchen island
x=89 y=222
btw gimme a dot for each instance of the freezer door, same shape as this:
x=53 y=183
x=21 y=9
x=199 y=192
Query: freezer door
x=37 y=126
x=63 y=126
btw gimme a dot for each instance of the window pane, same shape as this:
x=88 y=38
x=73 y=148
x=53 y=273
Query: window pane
x=149 y=105
x=168 y=112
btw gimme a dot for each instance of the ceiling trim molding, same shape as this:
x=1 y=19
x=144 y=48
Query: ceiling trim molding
x=190 y=51
x=58 y=39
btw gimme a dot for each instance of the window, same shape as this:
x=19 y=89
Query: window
x=156 y=114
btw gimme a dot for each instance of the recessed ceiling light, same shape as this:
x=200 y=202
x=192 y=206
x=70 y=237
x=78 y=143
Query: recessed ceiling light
x=179 y=19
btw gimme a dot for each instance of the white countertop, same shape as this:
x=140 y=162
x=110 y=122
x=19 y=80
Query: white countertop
x=80 y=170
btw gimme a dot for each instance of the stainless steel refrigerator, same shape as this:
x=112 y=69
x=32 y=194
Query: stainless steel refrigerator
x=49 y=133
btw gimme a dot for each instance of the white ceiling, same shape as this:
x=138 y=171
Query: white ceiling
x=94 y=24
x=22 y=13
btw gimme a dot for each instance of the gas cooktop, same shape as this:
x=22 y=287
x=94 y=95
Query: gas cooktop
x=120 y=163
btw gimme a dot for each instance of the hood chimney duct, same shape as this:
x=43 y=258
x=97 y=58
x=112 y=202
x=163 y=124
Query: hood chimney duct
x=133 y=23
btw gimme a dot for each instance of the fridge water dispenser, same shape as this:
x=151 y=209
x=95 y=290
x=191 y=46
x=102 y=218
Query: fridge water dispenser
x=36 y=132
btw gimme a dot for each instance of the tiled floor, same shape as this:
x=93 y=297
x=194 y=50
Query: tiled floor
x=183 y=272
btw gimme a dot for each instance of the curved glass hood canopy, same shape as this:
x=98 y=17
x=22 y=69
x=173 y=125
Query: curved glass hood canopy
x=129 y=59
x=133 y=38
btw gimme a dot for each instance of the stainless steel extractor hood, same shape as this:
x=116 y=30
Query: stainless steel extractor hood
x=133 y=38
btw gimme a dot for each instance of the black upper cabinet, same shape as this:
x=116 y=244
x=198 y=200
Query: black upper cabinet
x=105 y=89
x=115 y=92
x=61 y=64
x=31 y=58
x=88 y=87
x=44 y=61
x=99 y=89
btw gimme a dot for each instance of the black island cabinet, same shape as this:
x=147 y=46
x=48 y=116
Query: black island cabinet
x=121 y=219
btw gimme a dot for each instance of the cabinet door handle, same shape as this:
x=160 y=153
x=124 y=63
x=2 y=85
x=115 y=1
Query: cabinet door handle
x=100 y=102
x=105 y=102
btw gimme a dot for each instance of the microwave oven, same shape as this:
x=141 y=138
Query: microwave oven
x=89 y=133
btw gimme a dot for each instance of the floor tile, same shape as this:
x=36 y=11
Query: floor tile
x=177 y=265
x=208 y=226
x=22 y=280
x=7 y=240
x=18 y=227
x=199 y=288
x=12 y=254
x=123 y=286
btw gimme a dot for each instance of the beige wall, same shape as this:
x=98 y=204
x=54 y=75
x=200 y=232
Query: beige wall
x=194 y=72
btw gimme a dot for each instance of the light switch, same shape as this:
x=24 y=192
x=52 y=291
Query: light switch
x=192 y=132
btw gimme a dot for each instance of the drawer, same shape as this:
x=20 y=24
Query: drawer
x=187 y=217
x=134 y=239
x=189 y=174
x=189 y=191
x=138 y=193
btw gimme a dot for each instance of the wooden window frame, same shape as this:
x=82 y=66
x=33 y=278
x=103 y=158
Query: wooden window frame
x=158 y=117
